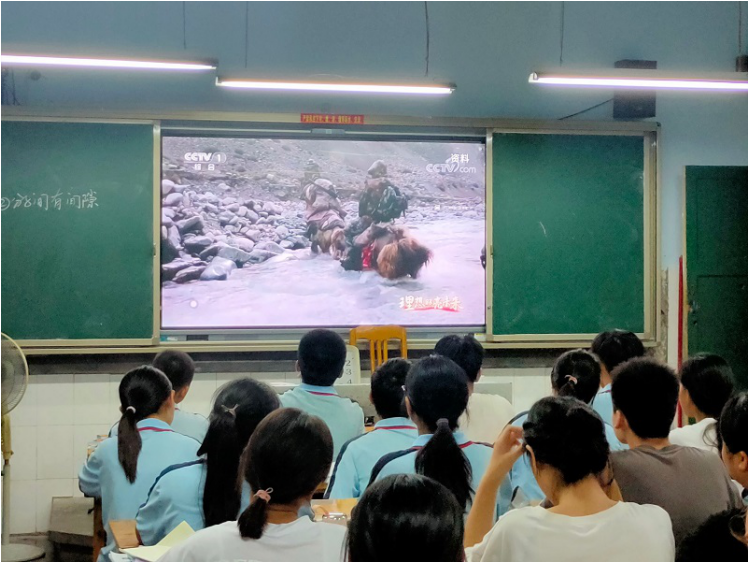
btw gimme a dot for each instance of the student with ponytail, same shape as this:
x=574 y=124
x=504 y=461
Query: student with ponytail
x=577 y=374
x=288 y=457
x=207 y=491
x=567 y=445
x=122 y=469
x=436 y=397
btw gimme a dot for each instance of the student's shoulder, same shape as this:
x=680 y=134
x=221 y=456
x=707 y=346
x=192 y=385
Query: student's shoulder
x=395 y=462
x=646 y=516
x=179 y=474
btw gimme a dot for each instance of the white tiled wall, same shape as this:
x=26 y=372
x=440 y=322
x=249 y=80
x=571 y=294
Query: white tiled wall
x=60 y=414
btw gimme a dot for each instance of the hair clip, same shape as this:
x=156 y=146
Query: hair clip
x=264 y=494
x=572 y=379
x=130 y=409
x=231 y=411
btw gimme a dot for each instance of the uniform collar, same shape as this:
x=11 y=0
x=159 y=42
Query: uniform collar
x=319 y=390
x=395 y=423
x=606 y=389
x=153 y=423
x=459 y=436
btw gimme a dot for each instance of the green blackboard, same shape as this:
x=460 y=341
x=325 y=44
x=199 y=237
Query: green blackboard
x=567 y=233
x=77 y=230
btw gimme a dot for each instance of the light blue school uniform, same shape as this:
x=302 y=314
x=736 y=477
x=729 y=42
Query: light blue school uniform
x=525 y=489
x=344 y=418
x=102 y=475
x=177 y=496
x=478 y=455
x=185 y=423
x=357 y=458
x=603 y=405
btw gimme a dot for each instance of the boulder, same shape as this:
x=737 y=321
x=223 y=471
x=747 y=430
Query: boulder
x=189 y=273
x=226 y=201
x=223 y=187
x=253 y=235
x=226 y=217
x=173 y=199
x=192 y=224
x=252 y=216
x=209 y=208
x=239 y=257
x=173 y=237
x=165 y=220
x=169 y=270
x=168 y=212
x=234 y=207
x=242 y=211
x=259 y=256
x=167 y=186
x=212 y=250
x=242 y=243
x=272 y=208
x=196 y=244
x=282 y=231
x=271 y=247
x=218 y=270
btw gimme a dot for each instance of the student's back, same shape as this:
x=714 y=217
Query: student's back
x=287 y=457
x=204 y=492
x=148 y=446
x=486 y=414
x=322 y=354
x=690 y=484
x=393 y=432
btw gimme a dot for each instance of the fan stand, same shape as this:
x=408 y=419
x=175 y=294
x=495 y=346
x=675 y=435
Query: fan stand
x=12 y=552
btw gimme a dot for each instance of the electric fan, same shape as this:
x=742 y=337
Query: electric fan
x=15 y=379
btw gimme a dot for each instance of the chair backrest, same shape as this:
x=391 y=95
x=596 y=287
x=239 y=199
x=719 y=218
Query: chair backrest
x=378 y=337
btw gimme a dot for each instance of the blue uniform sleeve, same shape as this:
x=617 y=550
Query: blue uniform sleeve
x=89 y=477
x=345 y=480
x=504 y=497
x=155 y=518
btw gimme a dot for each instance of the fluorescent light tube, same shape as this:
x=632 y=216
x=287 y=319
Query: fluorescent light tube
x=644 y=80
x=32 y=60
x=334 y=87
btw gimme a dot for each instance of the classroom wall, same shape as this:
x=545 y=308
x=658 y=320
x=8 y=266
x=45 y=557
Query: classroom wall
x=61 y=413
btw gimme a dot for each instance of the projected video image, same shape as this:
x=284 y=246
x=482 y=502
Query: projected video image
x=296 y=233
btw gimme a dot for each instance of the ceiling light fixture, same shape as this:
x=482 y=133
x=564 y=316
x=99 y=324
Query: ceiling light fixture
x=335 y=87
x=33 y=60
x=643 y=79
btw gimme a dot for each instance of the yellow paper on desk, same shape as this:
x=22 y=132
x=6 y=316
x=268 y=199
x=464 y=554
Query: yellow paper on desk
x=180 y=534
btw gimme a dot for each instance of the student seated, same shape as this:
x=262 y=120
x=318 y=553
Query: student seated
x=179 y=369
x=690 y=484
x=612 y=348
x=288 y=457
x=722 y=537
x=568 y=449
x=436 y=397
x=486 y=414
x=706 y=383
x=404 y=518
x=205 y=492
x=393 y=432
x=576 y=373
x=733 y=436
x=122 y=469
x=321 y=357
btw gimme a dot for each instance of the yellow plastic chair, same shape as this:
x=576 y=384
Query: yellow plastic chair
x=378 y=337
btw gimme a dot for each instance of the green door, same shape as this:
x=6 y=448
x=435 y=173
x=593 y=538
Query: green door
x=716 y=223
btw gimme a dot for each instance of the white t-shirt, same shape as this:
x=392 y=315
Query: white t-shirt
x=300 y=541
x=699 y=435
x=623 y=533
x=485 y=417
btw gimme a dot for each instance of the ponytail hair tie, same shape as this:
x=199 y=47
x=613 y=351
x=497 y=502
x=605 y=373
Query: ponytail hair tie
x=571 y=379
x=130 y=409
x=264 y=495
x=231 y=411
x=443 y=421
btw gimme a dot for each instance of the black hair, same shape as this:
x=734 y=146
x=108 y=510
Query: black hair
x=465 y=351
x=406 y=517
x=177 y=366
x=238 y=407
x=616 y=347
x=709 y=381
x=288 y=455
x=567 y=435
x=387 y=388
x=718 y=538
x=733 y=424
x=437 y=389
x=142 y=393
x=322 y=354
x=646 y=391
x=577 y=373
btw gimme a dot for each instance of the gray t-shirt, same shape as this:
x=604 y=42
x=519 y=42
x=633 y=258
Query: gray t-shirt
x=690 y=484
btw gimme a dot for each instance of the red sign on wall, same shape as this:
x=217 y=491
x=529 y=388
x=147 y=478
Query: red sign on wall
x=331 y=119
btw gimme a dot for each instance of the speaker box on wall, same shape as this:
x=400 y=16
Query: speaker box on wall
x=634 y=105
